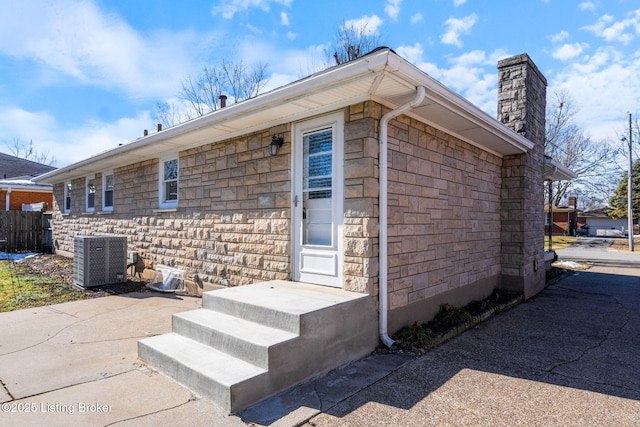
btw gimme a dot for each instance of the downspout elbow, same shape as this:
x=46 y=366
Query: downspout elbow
x=383 y=296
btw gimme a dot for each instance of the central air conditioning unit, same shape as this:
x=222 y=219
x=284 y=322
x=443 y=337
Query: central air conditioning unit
x=99 y=260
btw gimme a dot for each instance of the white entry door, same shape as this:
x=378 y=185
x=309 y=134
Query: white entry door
x=317 y=200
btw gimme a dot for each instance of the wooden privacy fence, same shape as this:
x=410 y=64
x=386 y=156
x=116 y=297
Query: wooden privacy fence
x=21 y=231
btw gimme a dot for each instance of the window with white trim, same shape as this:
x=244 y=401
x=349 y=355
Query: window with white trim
x=67 y=197
x=169 y=183
x=107 y=191
x=91 y=194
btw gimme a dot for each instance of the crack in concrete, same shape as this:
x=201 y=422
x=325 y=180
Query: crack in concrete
x=582 y=291
x=191 y=399
x=50 y=337
x=4 y=386
x=116 y=339
x=103 y=377
x=588 y=349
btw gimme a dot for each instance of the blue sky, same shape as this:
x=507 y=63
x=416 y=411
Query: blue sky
x=81 y=76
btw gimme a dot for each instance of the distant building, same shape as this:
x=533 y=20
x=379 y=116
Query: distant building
x=17 y=188
x=597 y=222
x=564 y=218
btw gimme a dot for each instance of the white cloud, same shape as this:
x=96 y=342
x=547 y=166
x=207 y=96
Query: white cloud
x=70 y=145
x=228 y=8
x=454 y=28
x=587 y=6
x=457 y=3
x=416 y=18
x=392 y=9
x=412 y=54
x=284 y=19
x=77 y=40
x=600 y=85
x=559 y=37
x=569 y=51
x=368 y=25
x=611 y=31
x=473 y=75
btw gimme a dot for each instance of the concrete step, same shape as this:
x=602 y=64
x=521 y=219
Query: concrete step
x=227 y=380
x=249 y=341
x=278 y=303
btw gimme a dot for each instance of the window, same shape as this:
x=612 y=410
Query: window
x=67 y=197
x=107 y=191
x=169 y=183
x=91 y=194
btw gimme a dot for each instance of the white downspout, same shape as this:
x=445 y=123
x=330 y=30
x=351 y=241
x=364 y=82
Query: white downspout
x=383 y=297
x=8 y=199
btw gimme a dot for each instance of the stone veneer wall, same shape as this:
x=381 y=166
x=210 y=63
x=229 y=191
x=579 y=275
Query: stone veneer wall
x=361 y=226
x=233 y=224
x=444 y=218
x=521 y=106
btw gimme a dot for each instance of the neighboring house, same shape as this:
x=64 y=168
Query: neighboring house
x=564 y=218
x=600 y=224
x=16 y=185
x=387 y=185
x=12 y=167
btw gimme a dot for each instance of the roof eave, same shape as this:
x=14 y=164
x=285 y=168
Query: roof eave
x=305 y=98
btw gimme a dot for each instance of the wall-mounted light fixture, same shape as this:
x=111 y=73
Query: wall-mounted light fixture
x=275 y=144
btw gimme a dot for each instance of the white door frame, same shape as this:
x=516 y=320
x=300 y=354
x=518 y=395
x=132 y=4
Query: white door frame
x=320 y=264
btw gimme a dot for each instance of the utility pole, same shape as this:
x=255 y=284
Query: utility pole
x=630 y=192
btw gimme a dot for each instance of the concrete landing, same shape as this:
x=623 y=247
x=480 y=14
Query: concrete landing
x=250 y=342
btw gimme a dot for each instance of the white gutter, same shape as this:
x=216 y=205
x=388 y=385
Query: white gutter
x=383 y=297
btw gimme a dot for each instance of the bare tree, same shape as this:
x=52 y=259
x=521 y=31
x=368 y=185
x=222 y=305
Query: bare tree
x=351 y=42
x=169 y=115
x=593 y=161
x=201 y=94
x=26 y=150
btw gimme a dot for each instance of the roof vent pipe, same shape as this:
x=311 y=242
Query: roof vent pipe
x=383 y=296
x=159 y=127
x=146 y=132
x=223 y=101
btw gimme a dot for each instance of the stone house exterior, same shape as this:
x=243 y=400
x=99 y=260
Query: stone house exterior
x=450 y=208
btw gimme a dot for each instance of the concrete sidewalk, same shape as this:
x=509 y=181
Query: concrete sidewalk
x=77 y=364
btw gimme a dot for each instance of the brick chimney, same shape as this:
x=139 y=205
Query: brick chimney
x=522 y=92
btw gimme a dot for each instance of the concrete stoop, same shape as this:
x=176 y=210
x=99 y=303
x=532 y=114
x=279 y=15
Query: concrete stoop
x=249 y=342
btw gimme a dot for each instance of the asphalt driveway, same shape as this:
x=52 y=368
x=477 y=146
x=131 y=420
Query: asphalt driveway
x=568 y=357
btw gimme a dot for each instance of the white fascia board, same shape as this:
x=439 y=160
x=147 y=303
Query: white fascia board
x=436 y=91
x=162 y=141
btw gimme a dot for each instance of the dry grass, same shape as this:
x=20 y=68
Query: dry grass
x=559 y=242
x=47 y=279
x=622 y=245
x=21 y=288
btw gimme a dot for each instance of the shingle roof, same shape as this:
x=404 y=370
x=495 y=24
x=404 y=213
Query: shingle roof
x=15 y=167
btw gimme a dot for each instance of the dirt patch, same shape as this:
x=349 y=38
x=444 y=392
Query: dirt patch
x=62 y=268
